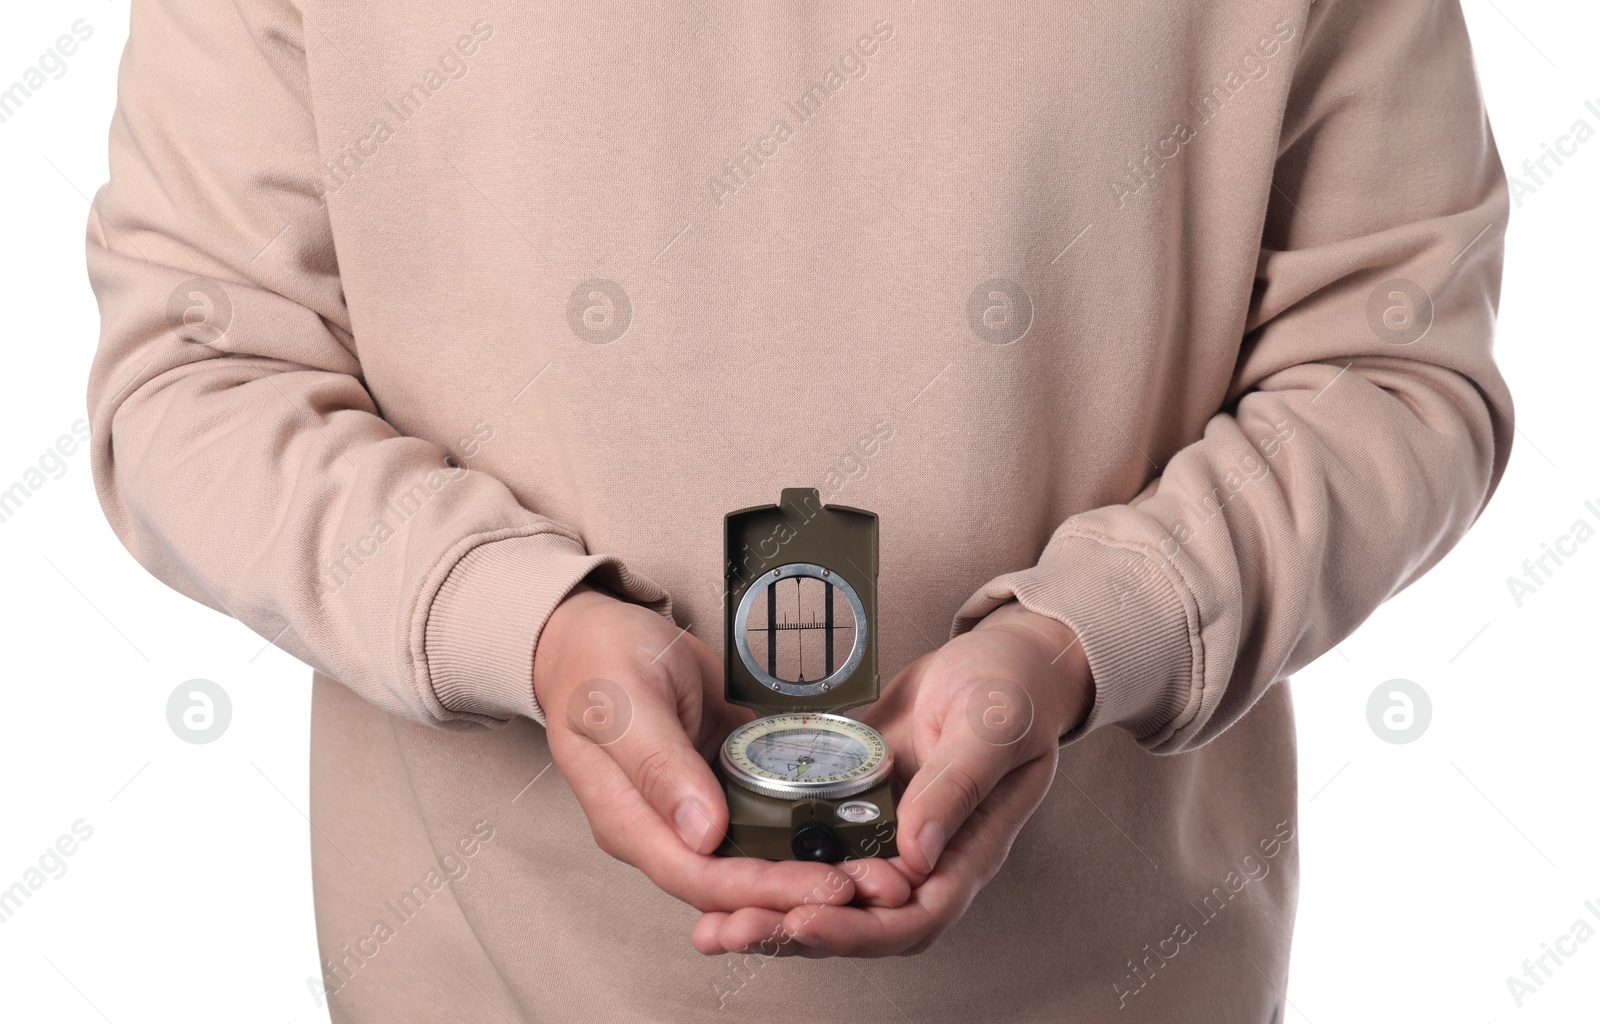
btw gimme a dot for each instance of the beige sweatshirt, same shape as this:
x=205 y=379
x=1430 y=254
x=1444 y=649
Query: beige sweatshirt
x=1172 y=322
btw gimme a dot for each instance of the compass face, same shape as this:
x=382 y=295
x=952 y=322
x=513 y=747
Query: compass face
x=806 y=755
x=801 y=629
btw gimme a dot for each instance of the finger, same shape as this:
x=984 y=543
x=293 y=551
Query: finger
x=758 y=930
x=734 y=883
x=896 y=700
x=824 y=931
x=896 y=732
x=980 y=849
x=639 y=727
x=959 y=773
x=937 y=902
x=987 y=730
x=717 y=718
x=755 y=930
x=895 y=717
x=879 y=882
x=914 y=878
x=630 y=830
x=705 y=936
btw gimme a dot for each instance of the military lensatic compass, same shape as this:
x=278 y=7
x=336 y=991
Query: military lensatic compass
x=803 y=782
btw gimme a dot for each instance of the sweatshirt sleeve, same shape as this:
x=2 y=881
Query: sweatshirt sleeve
x=236 y=450
x=1366 y=425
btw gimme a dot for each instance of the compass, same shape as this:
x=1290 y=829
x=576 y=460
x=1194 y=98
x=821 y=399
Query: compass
x=804 y=781
x=806 y=755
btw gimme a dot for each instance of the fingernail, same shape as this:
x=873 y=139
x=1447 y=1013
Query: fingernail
x=692 y=824
x=931 y=839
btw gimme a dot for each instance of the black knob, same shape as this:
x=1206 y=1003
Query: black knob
x=814 y=840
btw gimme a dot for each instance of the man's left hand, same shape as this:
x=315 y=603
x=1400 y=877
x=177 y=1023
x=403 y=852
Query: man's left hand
x=975 y=727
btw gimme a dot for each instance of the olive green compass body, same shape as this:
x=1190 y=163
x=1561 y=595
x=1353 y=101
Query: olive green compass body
x=804 y=782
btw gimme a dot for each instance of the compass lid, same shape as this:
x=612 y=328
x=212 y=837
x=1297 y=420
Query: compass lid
x=801 y=605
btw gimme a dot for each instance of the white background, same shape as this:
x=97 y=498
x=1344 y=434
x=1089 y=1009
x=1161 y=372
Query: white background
x=1432 y=868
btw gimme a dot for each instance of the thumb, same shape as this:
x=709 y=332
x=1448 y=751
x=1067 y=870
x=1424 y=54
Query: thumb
x=985 y=735
x=638 y=726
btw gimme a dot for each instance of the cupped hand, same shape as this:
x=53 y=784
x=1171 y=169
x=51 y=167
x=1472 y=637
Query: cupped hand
x=975 y=728
x=634 y=709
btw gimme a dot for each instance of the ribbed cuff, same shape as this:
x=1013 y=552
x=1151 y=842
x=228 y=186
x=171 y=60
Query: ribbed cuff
x=1135 y=621
x=486 y=618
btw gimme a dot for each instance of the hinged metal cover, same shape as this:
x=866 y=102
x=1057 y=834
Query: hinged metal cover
x=801 y=605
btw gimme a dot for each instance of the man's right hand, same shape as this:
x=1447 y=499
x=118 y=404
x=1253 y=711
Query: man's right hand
x=634 y=712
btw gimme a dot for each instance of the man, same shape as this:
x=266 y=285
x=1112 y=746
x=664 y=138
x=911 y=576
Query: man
x=438 y=341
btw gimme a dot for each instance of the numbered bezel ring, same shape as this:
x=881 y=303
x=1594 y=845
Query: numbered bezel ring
x=784 y=789
x=741 y=620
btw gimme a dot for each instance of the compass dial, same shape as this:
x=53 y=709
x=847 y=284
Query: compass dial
x=806 y=755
